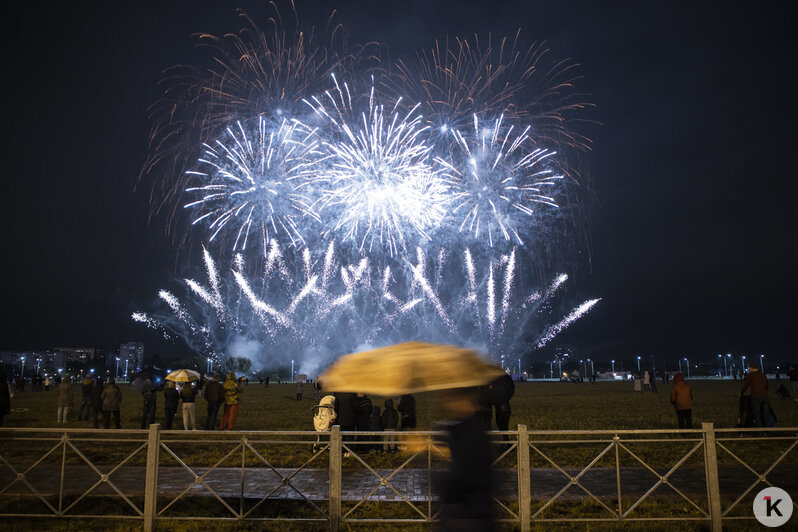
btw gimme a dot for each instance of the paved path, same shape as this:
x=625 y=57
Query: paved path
x=357 y=483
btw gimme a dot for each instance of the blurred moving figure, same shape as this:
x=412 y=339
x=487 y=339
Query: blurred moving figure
x=407 y=407
x=465 y=489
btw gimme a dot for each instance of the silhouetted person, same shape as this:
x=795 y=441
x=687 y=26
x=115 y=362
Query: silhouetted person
x=111 y=398
x=5 y=398
x=171 y=399
x=85 y=402
x=214 y=394
x=64 y=400
x=389 y=422
x=407 y=408
x=682 y=401
x=96 y=402
x=345 y=410
x=502 y=390
x=147 y=405
x=760 y=404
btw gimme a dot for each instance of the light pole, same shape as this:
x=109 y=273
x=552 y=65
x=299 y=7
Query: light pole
x=126 y=361
x=638 y=364
x=613 y=367
x=687 y=363
x=592 y=369
x=551 y=369
x=519 y=366
x=116 y=375
x=725 y=369
x=38 y=363
x=208 y=365
x=728 y=357
x=762 y=363
x=742 y=364
x=680 y=365
x=292 y=371
x=22 y=368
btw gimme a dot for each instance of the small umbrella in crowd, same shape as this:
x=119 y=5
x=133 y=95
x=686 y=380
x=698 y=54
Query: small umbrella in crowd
x=183 y=375
x=155 y=375
x=408 y=368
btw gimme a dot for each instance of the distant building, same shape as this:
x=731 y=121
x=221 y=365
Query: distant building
x=131 y=356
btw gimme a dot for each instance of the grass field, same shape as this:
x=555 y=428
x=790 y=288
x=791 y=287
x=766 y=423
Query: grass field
x=539 y=405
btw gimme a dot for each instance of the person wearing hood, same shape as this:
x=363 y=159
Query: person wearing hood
x=232 y=397
x=682 y=401
x=390 y=420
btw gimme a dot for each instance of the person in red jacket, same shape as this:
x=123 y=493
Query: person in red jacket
x=682 y=401
x=760 y=404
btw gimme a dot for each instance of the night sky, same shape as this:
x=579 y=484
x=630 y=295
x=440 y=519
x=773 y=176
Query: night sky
x=692 y=249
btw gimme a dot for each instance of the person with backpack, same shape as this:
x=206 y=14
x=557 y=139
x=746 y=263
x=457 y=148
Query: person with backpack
x=682 y=401
x=389 y=421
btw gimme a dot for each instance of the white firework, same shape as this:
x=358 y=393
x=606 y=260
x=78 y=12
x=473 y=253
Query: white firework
x=254 y=180
x=379 y=186
x=500 y=177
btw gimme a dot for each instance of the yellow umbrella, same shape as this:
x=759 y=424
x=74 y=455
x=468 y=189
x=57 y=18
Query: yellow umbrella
x=183 y=375
x=410 y=367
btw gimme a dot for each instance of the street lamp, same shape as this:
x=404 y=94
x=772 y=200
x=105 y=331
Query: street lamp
x=638 y=363
x=116 y=375
x=519 y=366
x=743 y=363
x=551 y=369
x=592 y=369
x=687 y=362
x=126 y=361
x=613 y=366
x=38 y=363
x=22 y=368
x=292 y=371
x=761 y=363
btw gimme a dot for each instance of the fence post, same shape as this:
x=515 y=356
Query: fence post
x=713 y=486
x=524 y=489
x=151 y=479
x=335 y=477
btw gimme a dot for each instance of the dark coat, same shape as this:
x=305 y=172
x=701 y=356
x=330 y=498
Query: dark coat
x=407 y=405
x=112 y=397
x=189 y=393
x=96 y=396
x=171 y=398
x=466 y=488
x=757 y=382
x=390 y=417
x=214 y=392
x=363 y=412
x=375 y=423
x=345 y=408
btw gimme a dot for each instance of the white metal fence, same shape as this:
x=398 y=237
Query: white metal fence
x=701 y=475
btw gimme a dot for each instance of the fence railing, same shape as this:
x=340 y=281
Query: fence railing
x=699 y=475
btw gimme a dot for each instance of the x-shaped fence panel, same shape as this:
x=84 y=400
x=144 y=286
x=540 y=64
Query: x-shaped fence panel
x=68 y=445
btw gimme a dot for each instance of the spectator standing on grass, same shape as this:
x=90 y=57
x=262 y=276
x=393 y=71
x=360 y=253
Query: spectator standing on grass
x=96 y=401
x=214 y=394
x=300 y=385
x=111 y=399
x=346 y=410
x=189 y=395
x=682 y=401
x=85 y=403
x=407 y=408
x=638 y=386
x=5 y=397
x=316 y=389
x=65 y=399
x=502 y=390
x=232 y=398
x=171 y=398
x=793 y=374
x=389 y=422
x=147 y=405
x=646 y=381
x=363 y=409
x=760 y=404
x=653 y=381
